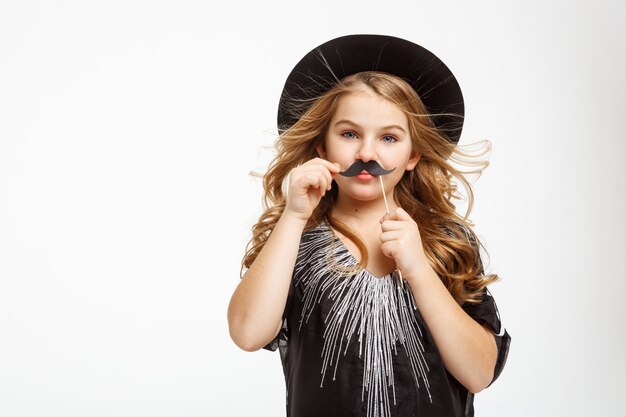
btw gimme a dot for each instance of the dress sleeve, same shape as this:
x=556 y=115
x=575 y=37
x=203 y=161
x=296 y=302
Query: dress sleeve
x=487 y=312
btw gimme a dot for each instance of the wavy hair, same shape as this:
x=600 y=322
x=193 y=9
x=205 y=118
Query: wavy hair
x=426 y=192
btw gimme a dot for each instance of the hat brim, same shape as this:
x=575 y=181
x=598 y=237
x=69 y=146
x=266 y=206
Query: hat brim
x=330 y=62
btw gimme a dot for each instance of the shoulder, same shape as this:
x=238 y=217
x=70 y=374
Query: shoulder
x=314 y=241
x=320 y=231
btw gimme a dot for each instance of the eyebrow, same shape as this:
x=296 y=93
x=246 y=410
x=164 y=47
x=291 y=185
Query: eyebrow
x=351 y=123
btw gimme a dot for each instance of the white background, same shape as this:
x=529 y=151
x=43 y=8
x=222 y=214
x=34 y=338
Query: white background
x=127 y=132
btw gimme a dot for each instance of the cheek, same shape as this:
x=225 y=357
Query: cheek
x=339 y=181
x=341 y=149
x=401 y=160
x=398 y=173
x=345 y=159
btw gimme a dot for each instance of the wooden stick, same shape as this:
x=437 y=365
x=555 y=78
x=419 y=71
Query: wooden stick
x=382 y=187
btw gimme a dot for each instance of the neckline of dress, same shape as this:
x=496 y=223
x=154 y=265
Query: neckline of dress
x=343 y=249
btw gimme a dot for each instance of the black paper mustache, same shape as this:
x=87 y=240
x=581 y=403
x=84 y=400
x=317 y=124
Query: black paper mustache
x=359 y=166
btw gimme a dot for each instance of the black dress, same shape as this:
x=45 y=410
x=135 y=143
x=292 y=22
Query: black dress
x=353 y=344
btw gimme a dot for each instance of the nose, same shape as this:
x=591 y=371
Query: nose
x=366 y=151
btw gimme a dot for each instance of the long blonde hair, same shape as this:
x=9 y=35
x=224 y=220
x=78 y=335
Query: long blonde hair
x=425 y=192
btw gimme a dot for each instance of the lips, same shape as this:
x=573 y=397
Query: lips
x=364 y=175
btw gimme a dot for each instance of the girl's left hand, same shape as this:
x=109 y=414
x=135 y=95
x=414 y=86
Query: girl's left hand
x=401 y=240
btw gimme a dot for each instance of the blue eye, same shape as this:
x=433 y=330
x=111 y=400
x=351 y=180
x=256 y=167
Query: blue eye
x=349 y=134
x=389 y=139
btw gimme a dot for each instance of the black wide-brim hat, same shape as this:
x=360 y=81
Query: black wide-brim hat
x=324 y=66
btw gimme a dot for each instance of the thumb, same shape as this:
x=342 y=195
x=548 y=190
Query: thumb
x=400 y=214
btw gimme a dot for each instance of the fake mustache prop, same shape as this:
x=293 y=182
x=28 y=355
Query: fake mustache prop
x=371 y=167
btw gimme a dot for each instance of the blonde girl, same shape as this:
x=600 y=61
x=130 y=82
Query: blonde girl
x=370 y=285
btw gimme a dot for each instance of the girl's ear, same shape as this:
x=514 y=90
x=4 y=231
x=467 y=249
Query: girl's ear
x=321 y=149
x=413 y=161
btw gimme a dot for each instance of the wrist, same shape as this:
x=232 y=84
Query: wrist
x=421 y=274
x=293 y=219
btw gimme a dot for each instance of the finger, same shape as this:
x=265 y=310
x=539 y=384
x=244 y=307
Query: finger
x=314 y=183
x=389 y=249
x=402 y=214
x=332 y=167
x=322 y=183
x=306 y=180
x=389 y=225
x=398 y=214
x=390 y=236
x=329 y=178
x=326 y=168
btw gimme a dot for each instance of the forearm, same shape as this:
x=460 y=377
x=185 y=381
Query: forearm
x=468 y=350
x=257 y=305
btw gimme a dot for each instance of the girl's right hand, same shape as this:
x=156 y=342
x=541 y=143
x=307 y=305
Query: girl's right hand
x=307 y=185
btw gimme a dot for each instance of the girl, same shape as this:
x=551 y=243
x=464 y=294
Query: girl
x=371 y=285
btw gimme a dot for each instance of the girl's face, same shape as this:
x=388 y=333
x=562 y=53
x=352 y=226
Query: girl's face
x=368 y=127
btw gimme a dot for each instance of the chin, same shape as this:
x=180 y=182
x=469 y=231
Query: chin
x=363 y=195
